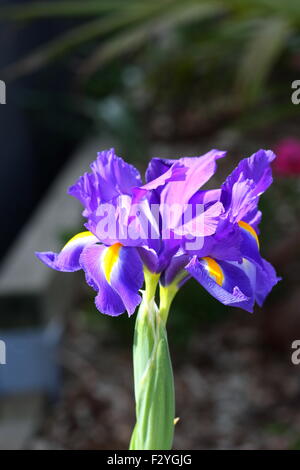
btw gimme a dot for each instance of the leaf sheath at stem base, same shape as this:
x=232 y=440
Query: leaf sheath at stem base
x=153 y=380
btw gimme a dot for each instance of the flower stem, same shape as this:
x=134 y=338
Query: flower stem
x=166 y=295
x=153 y=376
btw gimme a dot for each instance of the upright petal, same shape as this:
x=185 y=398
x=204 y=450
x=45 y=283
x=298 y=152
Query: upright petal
x=203 y=224
x=199 y=171
x=113 y=175
x=176 y=172
x=241 y=190
x=68 y=259
x=85 y=191
x=110 y=177
x=157 y=167
x=253 y=218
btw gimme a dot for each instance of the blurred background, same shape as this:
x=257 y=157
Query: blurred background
x=164 y=78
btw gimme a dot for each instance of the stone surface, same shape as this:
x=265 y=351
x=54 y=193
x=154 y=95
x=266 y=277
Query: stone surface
x=19 y=419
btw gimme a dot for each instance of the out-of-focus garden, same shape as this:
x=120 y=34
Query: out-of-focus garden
x=164 y=78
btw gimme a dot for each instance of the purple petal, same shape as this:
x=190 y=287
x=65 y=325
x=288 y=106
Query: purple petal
x=116 y=273
x=127 y=279
x=127 y=223
x=241 y=190
x=157 y=167
x=204 y=224
x=253 y=218
x=110 y=177
x=227 y=282
x=68 y=259
x=149 y=258
x=206 y=197
x=176 y=172
x=174 y=268
x=224 y=244
x=249 y=245
x=266 y=279
x=199 y=171
x=85 y=191
x=113 y=175
x=107 y=300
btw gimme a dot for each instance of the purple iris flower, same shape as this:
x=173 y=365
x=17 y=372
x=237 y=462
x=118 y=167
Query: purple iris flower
x=130 y=228
x=229 y=265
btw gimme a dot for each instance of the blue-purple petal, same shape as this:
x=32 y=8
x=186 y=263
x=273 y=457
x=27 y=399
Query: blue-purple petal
x=235 y=287
x=110 y=177
x=68 y=258
x=107 y=300
x=266 y=279
x=118 y=288
x=241 y=190
x=199 y=171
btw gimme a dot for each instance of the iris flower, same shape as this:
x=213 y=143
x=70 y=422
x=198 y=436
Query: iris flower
x=167 y=231
x=228 y=264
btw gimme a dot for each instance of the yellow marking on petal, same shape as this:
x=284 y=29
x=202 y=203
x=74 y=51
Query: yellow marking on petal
x=249 y=229
x=110 y=258
x=214 y=270
x=78 y=236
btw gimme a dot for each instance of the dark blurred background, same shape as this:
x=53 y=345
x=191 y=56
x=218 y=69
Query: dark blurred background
x=160 y=78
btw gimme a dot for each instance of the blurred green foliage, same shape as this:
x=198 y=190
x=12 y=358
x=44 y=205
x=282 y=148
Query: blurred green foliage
x=174 y=70
x=220 y=53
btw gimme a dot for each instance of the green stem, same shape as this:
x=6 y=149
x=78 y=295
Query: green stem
x=153 y=376
x=166 y=295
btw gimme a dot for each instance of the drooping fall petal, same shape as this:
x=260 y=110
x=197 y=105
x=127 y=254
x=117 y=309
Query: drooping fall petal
x=115 y=272
x=68 y=258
